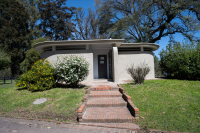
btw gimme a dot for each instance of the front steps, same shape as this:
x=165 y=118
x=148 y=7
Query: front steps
x=105 y=105
x=106 y=102
x=108 y=115
x=105 y=94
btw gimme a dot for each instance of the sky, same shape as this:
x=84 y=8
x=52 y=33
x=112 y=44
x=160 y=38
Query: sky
x=85 y=4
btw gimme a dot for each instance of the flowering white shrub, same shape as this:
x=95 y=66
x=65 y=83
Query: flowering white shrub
x=71 y=69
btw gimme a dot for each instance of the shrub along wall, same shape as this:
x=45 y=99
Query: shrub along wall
x=181 y=61
x=71 y=69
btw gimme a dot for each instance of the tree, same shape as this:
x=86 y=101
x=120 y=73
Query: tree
x=41 y=39
x=149 y=20
x=157 y=68
x=56 y=19
x=34 y=16
x=4 y=60
x=181 y=61
x=87 y=27
x=31 y=56
x=13 y=31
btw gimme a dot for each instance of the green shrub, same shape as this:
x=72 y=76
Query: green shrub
x=72 y=69
x=30 y=58
x=181 y=61
x=139 y=72
x=39 y=78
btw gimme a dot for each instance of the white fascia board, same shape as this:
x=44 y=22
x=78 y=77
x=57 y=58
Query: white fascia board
x=144 y=45
x=40 y=46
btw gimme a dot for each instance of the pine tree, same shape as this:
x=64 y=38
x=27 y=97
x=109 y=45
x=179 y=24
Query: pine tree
x=13 y=31
x=56 y=19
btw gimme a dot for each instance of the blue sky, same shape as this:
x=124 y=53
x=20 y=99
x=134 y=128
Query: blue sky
x=85 y=4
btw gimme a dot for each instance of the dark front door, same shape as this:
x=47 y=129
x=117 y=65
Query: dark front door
x=102 y=66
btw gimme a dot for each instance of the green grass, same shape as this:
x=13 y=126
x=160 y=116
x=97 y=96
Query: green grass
x=7 y=84
x=62 y=104
x=172 y=105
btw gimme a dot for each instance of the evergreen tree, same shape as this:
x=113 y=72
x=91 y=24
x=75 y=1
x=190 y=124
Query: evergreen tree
x=34 y=16
x=56 y=19
x=13 y=31
x=4 y=60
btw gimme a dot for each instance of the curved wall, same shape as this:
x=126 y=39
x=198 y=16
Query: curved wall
x=52 y=56
x=125 y=59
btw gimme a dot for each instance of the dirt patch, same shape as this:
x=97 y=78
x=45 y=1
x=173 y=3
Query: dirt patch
x=28 y=114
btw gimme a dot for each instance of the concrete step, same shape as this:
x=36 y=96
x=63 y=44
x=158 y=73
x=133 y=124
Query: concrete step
x=106 y=102
x=105 y=94
x=105 y=88
x=107 y=115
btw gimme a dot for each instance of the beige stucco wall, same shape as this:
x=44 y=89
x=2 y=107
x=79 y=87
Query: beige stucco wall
x=125 y=59
x=52 y=56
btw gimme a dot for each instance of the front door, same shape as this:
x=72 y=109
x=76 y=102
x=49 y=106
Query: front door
x=102 y=66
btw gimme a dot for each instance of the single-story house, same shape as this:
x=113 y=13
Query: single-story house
x=108 y=58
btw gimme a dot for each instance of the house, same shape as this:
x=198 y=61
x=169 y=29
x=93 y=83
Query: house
x=108 y=58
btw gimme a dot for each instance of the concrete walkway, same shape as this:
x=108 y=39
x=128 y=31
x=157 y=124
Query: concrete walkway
x=12 y=125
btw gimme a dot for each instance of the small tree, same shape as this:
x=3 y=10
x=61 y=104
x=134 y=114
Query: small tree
x=4 y=60
x=157 y=68
x=72 y=69
x=31 y=56
x=139 y=72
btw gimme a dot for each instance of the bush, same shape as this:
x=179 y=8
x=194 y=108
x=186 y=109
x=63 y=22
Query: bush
x=30 y=58
x=71 y=69
x=181 y=61
x=139 y=72
x=39 y=78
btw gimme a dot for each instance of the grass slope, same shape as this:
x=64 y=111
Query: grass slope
x=172 y=105
x=62 y=104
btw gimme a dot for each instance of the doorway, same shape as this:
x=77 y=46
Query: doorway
x=102 y=66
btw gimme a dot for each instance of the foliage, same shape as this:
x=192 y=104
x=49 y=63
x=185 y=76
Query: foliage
x=87 y=27
x=34 y=16
x=39 y=78
x=13 y=31
x=72 y=69
x=157 y=68
x=149 y=20
x=5 y=72
x=30 y=58
x=139 y=72
x=56 y=19
x=41 y=39
x=4 y=60
x=181 y=61
x=169 y=105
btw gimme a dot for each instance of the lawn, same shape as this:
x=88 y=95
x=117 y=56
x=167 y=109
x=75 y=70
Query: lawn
x=172 y=105
x=62 y=103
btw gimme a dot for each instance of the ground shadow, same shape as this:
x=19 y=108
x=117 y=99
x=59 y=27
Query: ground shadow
x=20 y=89
x=65 y=86
x=5 y=83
